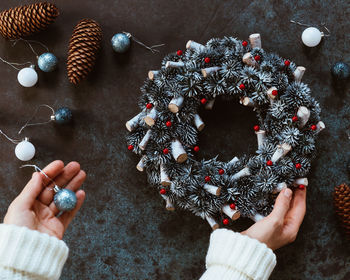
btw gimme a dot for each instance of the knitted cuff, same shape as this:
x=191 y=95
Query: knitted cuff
x=232 y=255
x=30 y=251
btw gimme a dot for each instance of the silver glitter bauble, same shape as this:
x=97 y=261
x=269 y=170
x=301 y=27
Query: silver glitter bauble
x=63 y=116
x=47 y=62
x=340 y=71
x=120 y=42
x=65 y=200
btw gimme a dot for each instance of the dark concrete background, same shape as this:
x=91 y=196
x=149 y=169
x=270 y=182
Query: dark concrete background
x=123 y=230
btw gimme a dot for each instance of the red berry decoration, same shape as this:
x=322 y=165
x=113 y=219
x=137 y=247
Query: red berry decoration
x=130 y=147
x=207 y=59
x=244 y=43
x=196 y=149
x=203 y=101
x=207 y=178
x=274 y=92
x=297 y=165
x=221 y=171
x=242 y=86
x=225 y=221
x=287 y=62
x=165 y=151
x=313 y=127
x=295 y=118
x=168 y=123
x=256 y=128
x=179 y=52
x=269 y=163
x=149 y=105
x=162 y=191
x=233 y=206
x=257 y=57
x=301 y=187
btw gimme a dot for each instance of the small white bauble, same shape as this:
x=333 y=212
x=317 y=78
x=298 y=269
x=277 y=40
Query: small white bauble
x=27 y=77
x=25 y=150
x=311 y=36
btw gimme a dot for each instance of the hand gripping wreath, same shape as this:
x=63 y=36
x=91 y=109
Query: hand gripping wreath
x=165 y=132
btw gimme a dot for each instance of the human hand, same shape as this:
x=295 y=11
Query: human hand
x=34 y=207
x=282 y=225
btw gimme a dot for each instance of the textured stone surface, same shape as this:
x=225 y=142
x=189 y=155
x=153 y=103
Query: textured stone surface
x=123 y=230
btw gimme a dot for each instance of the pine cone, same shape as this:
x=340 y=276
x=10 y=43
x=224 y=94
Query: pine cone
x=341 y=197
x=83 y=48
x=27 y=20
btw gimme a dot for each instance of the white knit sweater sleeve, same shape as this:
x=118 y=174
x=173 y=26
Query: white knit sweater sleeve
x=233 y=256
x=30 y=255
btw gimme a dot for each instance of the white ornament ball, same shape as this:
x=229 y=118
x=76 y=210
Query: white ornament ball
x=25 y=150
x=27 y=77
x=311 y=36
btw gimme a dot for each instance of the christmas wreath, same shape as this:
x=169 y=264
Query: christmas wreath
x=165 y=132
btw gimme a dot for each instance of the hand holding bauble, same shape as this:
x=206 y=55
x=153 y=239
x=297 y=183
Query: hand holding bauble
x=64 y=199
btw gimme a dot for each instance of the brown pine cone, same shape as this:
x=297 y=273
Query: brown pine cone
x=27 y=20
x=83 y=47
x=341 y=197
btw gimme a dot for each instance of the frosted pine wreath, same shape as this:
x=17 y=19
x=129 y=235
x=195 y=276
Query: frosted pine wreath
x=165 y=132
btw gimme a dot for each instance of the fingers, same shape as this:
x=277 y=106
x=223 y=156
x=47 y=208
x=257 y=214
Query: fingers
x=52 y=170
x=67 y=217
x=298 y=209
x=64 y=177
x=30 y=192
x=282 y=225
x=73 y=185
x=282 y=205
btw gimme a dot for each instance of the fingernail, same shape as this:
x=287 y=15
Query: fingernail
x=288 y=192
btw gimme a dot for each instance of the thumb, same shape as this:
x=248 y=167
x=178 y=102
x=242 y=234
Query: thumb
x=282 y=204
x=31 y=191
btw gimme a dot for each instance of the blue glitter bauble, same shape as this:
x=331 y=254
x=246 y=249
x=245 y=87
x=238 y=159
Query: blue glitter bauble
x=120 y=42
x=65 y=200
x=47 y=62
x=341 y=71
x=63 y=115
